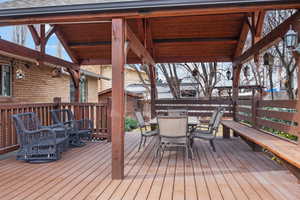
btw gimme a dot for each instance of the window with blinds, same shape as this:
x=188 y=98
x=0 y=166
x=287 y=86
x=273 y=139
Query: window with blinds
x=6 y=82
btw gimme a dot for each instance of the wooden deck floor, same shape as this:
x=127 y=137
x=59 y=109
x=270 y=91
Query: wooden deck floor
x=233 y=172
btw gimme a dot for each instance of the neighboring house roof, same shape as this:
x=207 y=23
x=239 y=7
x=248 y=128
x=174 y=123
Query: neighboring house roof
x=92 y=74
x=129 y=93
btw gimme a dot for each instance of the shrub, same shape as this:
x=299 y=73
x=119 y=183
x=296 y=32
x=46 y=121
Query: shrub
x=130 y=124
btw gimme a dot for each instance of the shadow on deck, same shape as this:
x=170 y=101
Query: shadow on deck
x=233 y=172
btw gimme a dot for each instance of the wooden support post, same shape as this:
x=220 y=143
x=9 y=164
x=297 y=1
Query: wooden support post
x=235 y=90
x=297 y=57
x=75 y=75
x=226 y=132
x=254 y=106
x=153 y=90
x=109 y=120
x=118 y=97
x=57 y=102
x=43 y=39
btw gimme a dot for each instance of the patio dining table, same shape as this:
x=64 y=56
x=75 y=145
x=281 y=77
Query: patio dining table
x=192 y=122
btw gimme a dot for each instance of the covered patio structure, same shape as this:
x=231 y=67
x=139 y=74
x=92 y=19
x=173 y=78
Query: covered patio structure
x=150 y=32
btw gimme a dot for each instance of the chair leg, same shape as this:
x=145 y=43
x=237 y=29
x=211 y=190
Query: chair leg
x=212 y=145
x=141 y=141
x=145 y=141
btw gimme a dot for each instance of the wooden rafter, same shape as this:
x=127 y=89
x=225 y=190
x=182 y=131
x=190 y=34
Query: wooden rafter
x=242 y=39
x=149 y=44
x=50 y=32
x=65 y=44
x=270 y=39
x=35 y=35
x=20 y=52
x=138 y=48
x=260 y=23
x=140 y=24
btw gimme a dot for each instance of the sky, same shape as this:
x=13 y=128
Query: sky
x=6 y=34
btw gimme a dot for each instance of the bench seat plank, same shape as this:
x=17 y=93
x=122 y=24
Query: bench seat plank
x=285 y=150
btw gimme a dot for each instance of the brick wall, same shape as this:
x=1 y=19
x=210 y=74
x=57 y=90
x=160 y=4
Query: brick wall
x=39 y=85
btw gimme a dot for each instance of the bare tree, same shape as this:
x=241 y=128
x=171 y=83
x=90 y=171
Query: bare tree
x=19 y=35
x=170 y=74
x=139 y=72
x=59 y=50
x=284 y=58
x=206 y=75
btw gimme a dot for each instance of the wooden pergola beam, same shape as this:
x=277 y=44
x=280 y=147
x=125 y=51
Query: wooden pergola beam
x=77 y=17
x=35 y=35
x=23 y=53
x=138 y=48
x=149 y=43
x=50 y=32
x=242 y=39
x=270 y=39
x=260 y=24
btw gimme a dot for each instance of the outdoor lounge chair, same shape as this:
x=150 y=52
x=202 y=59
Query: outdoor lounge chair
x=211 y=132
x=143 y=128
x=38 y=143
x=77 y=129
x=173 y=132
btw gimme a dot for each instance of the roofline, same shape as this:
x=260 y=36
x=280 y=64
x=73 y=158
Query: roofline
x=94 y=75
x=142 y=6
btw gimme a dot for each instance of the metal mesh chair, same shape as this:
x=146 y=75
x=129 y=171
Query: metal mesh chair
x=173 y=132
x=212 y=130
x=143 y=128
x=38 y=143
x=77 y=129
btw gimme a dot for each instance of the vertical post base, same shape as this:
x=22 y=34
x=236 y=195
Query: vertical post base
x=226 y=132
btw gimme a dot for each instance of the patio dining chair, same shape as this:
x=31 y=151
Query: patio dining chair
x=211 y=132
x=211 y=121
x=38 y=143
x=77 y=129
x=143 y=129
x=173 y=132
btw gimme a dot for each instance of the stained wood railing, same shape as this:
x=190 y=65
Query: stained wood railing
x=98 y=112
x=277 y=117
x=195 y=107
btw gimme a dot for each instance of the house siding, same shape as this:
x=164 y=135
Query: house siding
x=106 y=71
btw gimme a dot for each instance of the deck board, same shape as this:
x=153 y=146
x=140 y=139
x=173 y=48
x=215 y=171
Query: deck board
x=233 y=172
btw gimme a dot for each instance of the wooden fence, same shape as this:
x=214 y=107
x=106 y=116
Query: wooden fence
x=99 y=113
x=195 y=107
x=277 y=117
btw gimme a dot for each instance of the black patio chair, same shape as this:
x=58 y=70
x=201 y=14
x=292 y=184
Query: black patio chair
x=38 y=143
x=77 y=129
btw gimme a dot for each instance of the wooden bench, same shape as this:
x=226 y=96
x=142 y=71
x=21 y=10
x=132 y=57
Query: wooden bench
x=287 y=151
